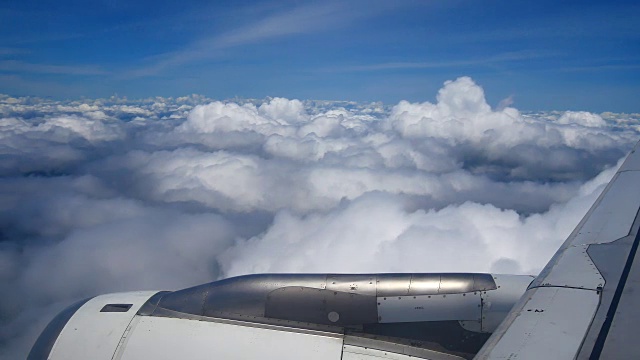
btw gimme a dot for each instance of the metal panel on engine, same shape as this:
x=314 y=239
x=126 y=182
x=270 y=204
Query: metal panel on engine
x=320 y=306
x=465 y=306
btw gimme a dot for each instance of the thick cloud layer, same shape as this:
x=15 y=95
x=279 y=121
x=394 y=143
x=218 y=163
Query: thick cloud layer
x=163 y=193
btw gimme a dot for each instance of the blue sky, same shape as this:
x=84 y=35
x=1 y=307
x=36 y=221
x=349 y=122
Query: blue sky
x=546 y=55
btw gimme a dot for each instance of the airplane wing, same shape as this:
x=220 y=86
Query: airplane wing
x=584 y=303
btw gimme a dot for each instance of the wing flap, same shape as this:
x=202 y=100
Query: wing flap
x=537 y=332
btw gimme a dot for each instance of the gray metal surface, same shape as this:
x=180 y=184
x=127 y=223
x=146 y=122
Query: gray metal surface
x=621 y=342
x=615 y=322
x=455 y=284
x=363 y=284
x=257 y=322
x=151 y=304
x=632 y=163
x=574 y=269
x=432 y=284
x=497 y=304
x=320 y=306
x=465 y=306
x=275 y=295
x=613 y=217
x=442 y=336
x=551 y=325
x=616 y=252
x=400 y=284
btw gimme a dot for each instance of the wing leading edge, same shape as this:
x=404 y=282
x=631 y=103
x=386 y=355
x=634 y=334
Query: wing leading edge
x=582 y=305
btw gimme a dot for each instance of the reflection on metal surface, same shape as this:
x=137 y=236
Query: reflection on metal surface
x=152 y=303
x=432 y=284
x=395 y=309
x=320 y=306
x=400 y=284
x=441 y=336
x=310 y=297
x=339 y=303
x=363 y=284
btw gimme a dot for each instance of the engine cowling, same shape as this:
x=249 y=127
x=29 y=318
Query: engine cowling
x=450 y=312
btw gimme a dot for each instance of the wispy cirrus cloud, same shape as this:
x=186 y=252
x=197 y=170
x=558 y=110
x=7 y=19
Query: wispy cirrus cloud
x=401 y=65
x=304 y=19
x=607 y=67
x=16 y=66
x=10 y=51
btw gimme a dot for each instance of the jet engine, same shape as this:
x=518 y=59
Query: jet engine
x=341 y=316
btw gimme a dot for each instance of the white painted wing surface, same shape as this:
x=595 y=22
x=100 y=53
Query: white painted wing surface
x=584 y=302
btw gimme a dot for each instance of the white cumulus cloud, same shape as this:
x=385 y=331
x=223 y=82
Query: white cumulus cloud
x=103 y=195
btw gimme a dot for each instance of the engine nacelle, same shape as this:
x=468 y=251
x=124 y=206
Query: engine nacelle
x=423 y=314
